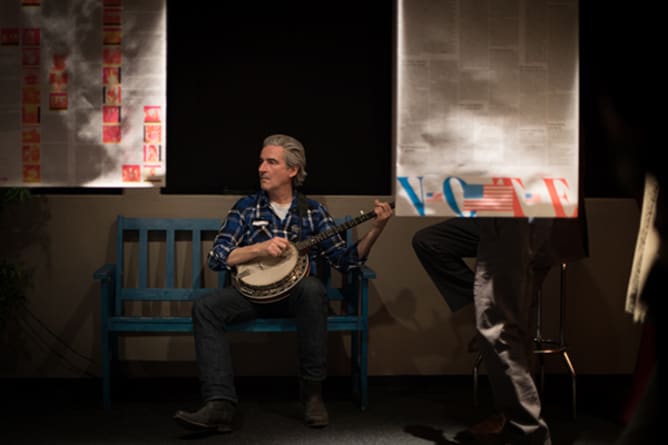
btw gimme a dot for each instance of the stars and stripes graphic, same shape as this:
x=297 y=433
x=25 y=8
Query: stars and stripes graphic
x=488 y=197
x=532 y=198
x=434 y=197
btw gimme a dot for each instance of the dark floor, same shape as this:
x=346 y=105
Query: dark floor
x=402 y=410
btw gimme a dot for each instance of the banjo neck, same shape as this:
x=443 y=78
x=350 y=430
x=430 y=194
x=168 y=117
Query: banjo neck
x=269 y=279
x=306 y=244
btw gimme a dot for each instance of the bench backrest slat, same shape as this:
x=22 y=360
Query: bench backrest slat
x=197 y=259
x=143 y=257
x=170 y=240
x=145 y=228
x=120 y=260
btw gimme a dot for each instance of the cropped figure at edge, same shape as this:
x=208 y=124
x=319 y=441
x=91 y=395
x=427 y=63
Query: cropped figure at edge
x=512 y=258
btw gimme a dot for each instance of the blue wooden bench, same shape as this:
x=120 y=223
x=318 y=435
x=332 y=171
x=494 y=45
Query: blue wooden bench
x=122 y=283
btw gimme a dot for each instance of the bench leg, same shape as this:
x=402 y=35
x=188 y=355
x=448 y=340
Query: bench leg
x=354 y=362
x=364 y=351
x=106 y=399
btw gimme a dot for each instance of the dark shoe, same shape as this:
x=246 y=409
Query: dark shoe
x=214 y=415
x=492 y=425
x=474 y=344
x=315 y=412
x=486 y=432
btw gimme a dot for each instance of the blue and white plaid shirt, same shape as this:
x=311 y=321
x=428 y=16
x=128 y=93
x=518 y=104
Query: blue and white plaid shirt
x=251 y=220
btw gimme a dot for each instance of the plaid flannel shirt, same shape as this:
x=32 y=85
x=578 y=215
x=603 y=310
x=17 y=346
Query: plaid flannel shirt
x=251 y=220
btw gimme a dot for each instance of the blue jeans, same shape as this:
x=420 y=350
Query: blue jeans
x=212 y=312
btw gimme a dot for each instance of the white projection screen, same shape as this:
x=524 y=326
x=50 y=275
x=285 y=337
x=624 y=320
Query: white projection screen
x=486 y=120
x=82 y=93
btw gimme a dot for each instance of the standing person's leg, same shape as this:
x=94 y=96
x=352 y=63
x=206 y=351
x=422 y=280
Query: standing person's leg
x=503 y=292
x=211 y=314
x=441 y=249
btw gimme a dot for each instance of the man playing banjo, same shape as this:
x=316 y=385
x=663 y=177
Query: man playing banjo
x=258 y=242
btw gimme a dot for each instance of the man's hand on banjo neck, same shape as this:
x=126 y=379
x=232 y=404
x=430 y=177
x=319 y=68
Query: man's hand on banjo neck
x=383 y=212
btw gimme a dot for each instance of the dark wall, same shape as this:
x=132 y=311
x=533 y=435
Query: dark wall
x=322 y=72
x=319 y=71
x=615 y=46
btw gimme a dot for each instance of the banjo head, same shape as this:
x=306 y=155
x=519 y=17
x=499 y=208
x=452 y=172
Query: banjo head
x=268 y=270
x=268 y=279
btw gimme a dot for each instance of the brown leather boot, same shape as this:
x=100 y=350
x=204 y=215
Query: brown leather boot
x=315 y=412
x=214 y=415
x=486 y=432
x=489 y=426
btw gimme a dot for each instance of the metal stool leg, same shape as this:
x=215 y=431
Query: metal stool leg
x=476 y=365
x=539 y=341
x=543 y=346
x=573 y=390
x=546 y=346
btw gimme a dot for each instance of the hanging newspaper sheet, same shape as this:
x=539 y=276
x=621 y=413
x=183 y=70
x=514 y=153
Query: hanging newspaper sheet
x=82 y=93
x=487 y=108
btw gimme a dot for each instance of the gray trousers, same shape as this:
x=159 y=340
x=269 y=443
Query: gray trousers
x=513 y=260
x=212 y=313
x=513 y=257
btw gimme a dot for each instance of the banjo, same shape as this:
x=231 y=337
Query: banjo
x=268 y=279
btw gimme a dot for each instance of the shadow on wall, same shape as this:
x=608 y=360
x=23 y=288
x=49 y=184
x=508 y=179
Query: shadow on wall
x=23 y=225
x=23 y=220
x=60 y=354
x=420 y=331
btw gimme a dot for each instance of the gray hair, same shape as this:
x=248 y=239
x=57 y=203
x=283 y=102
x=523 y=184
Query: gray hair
x=294 y=154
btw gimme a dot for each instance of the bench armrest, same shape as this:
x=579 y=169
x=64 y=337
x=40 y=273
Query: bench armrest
x=105 y=272
x=107 y=275
x=367 y=272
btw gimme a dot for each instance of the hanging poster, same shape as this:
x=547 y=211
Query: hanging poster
x=82 y=93
x=487 y=108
